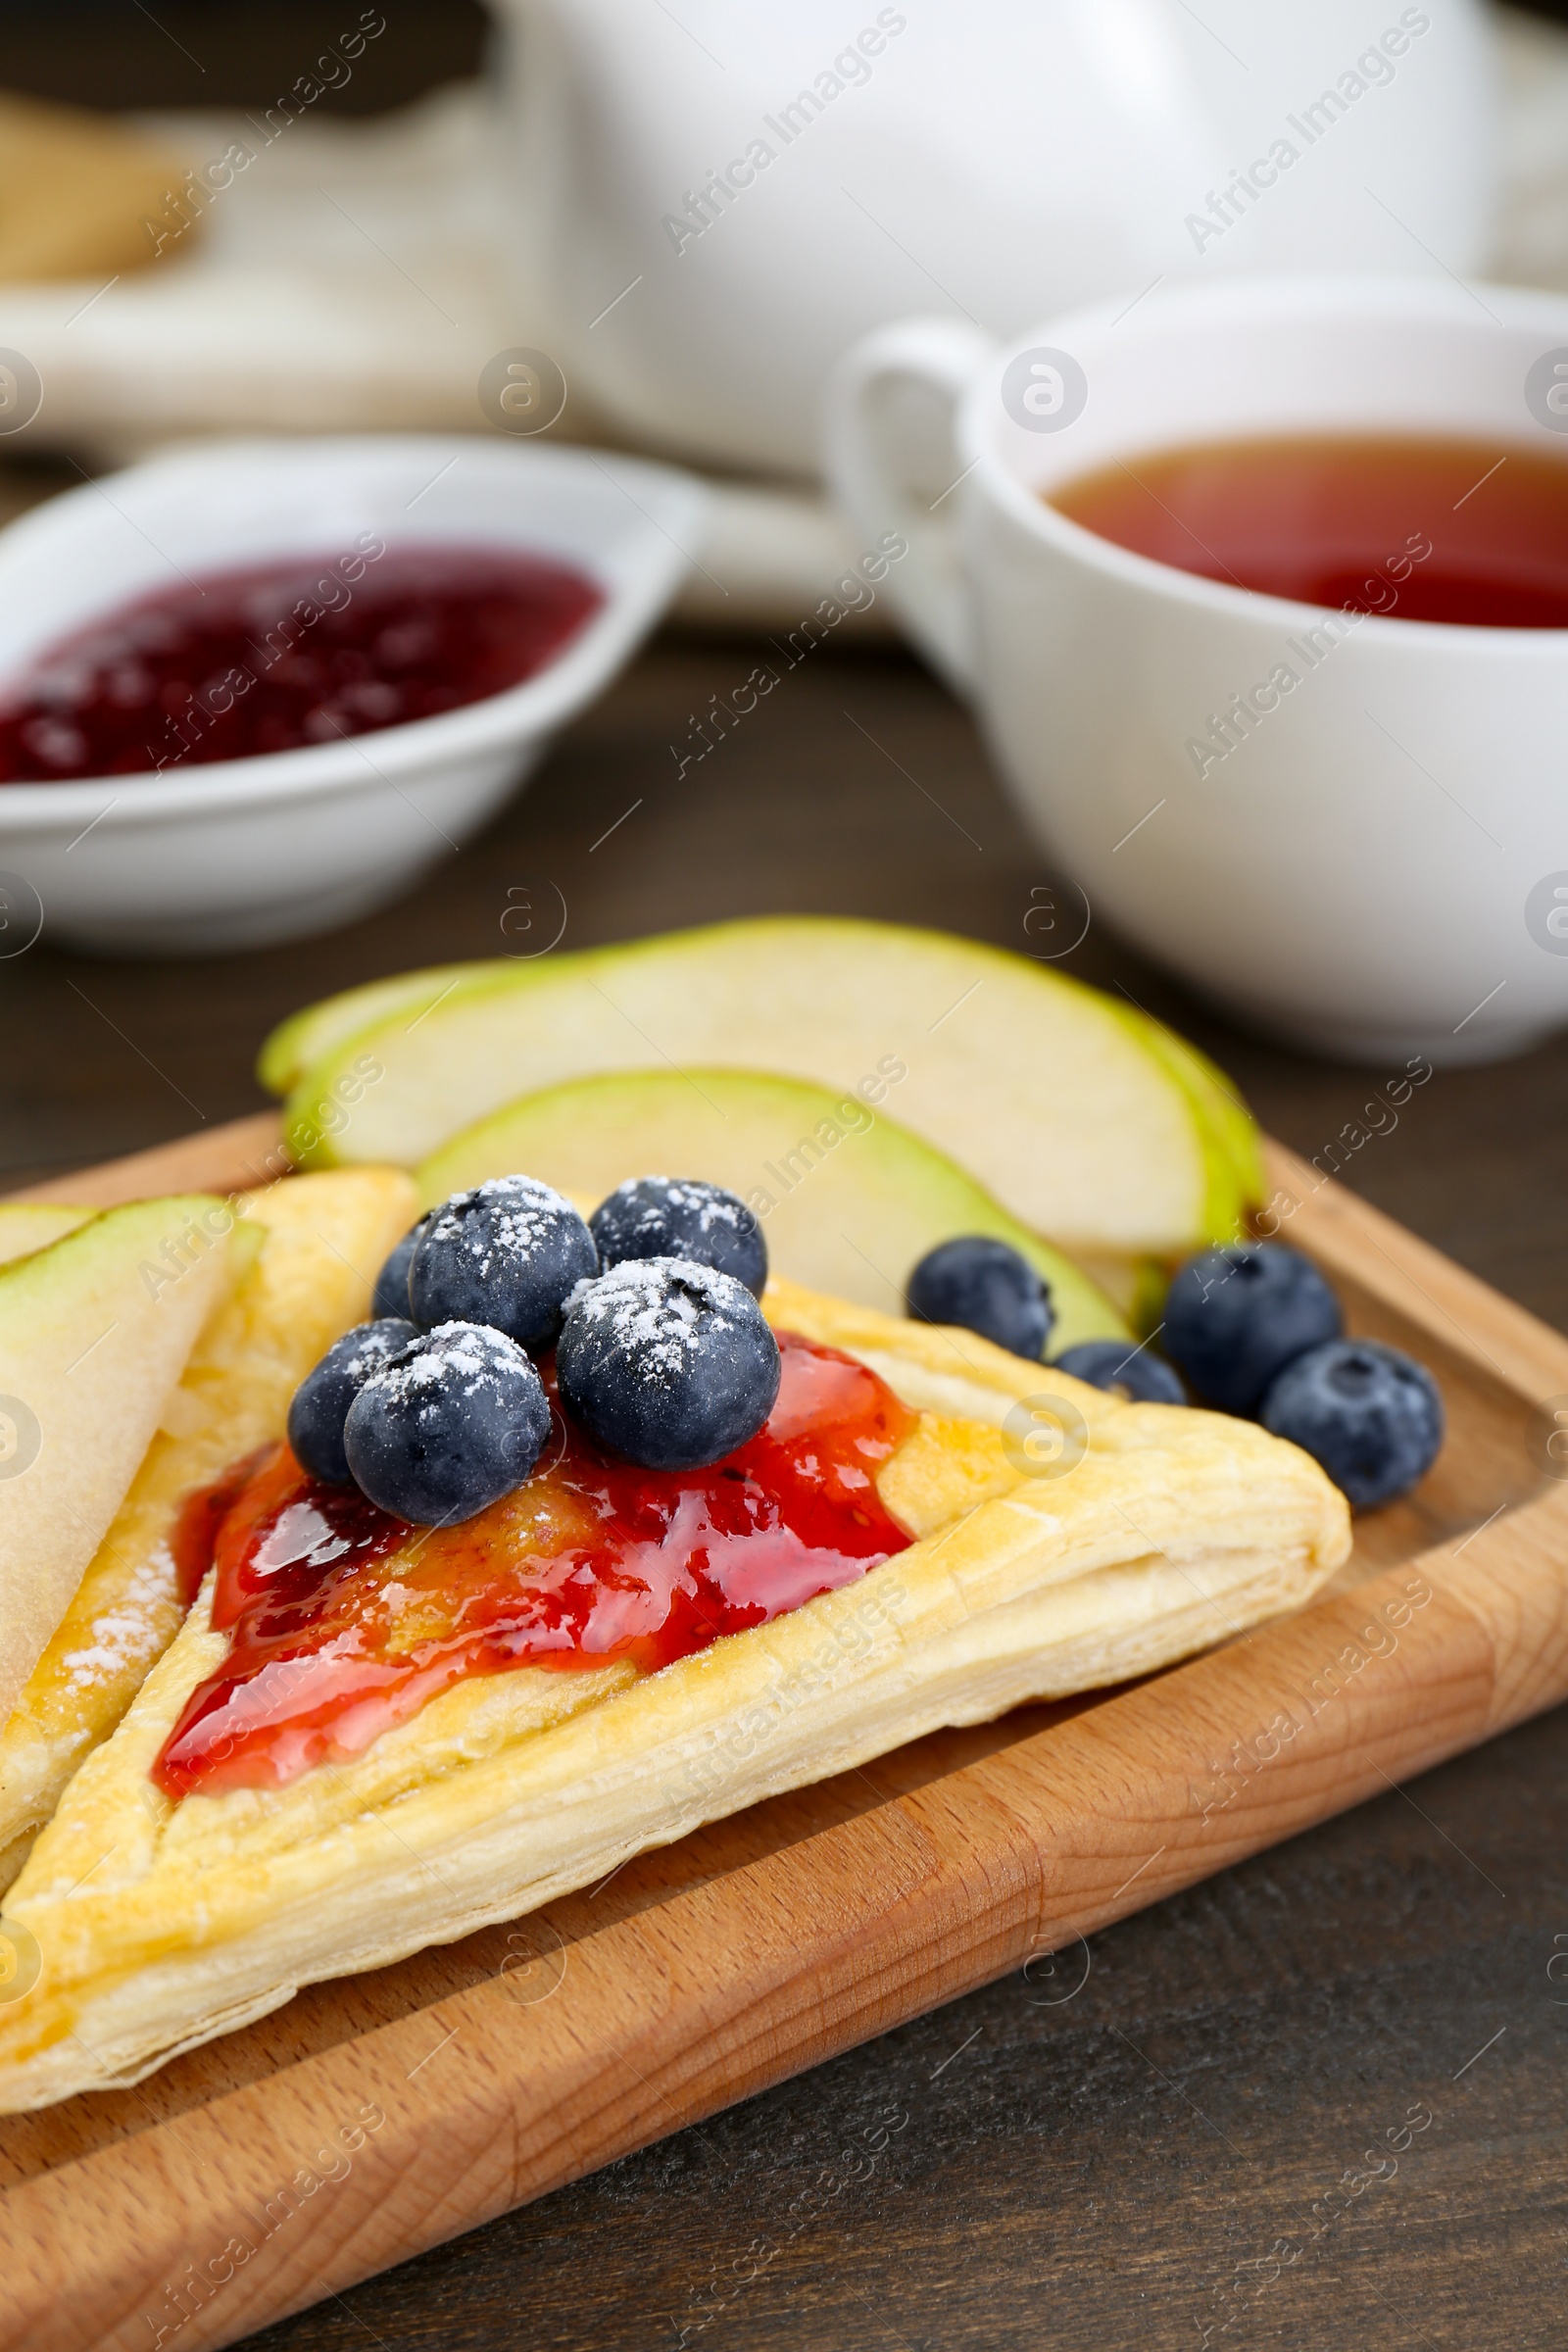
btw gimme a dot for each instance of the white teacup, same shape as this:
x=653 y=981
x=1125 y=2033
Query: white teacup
x=1378 y=864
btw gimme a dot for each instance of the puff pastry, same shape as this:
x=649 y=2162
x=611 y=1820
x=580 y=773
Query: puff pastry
x=324 y=1237
x=159 y=1925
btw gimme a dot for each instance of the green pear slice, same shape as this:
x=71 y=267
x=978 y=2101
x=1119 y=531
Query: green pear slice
x=848 y=1199
x=1058 y=1105
x=308 y=1036
x=29 y=1225
x=94 y=1333
x=1235 y=1140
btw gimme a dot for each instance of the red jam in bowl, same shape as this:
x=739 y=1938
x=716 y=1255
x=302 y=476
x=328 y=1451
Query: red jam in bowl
x=343 y=1621
x=288 y=655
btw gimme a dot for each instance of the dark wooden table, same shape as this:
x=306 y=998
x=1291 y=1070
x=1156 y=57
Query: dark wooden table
x=1065 y=2165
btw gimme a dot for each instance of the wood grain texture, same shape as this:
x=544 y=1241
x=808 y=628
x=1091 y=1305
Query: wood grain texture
x=226 y=1158
x=1101 y=2152
x=763 y=1947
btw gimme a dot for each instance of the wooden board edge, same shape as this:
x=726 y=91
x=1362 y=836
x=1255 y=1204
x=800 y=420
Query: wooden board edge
x=1382 y=1256
x=234 y=1157
x=1408 y=1274
x=1415 y=1279
x=936 y=1892
x=668 y=2014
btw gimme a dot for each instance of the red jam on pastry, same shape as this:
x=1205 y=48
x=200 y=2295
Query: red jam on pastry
x=344 y=1621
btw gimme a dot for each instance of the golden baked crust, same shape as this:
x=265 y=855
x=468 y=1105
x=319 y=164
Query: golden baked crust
x=325 y=1237
x=159 y=1925
x=96 y=1329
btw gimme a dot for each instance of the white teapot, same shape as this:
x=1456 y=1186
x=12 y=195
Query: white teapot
x=713 y=200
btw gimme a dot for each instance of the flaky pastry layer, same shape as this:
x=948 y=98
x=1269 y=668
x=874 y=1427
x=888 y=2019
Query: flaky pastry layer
x=159 y=1926
x=323 y=1239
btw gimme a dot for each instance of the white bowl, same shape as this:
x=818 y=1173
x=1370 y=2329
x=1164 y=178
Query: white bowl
x=244 y=853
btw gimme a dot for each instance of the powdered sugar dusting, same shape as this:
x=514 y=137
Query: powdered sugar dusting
x=455 y=1360
x=712 y=1206
x=129 y=1635
x=658 y=1309
x=368 y=1348
x=520 y=1212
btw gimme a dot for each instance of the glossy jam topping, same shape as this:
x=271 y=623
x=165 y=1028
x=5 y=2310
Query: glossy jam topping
x=344 y=1621
x=295 y=654
x=202 y=1513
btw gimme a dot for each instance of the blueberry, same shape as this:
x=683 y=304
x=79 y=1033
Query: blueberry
x=322 y=1399
x=508 y=1254
x=667 y=1362
x=1235 y=1317
x=983 y=1286
x=391 y=1293
x=679 y=1216
x=1372 y=1417
x=455 y=1421
x=1124 y=1370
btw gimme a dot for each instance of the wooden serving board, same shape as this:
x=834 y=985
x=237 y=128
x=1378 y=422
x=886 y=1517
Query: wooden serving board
x=377 y=2116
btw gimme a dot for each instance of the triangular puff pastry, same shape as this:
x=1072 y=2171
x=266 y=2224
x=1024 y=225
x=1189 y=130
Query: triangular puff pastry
x=155 y=1927
x=316 y=1243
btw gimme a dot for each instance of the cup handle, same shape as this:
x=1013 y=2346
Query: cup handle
x=891 y=409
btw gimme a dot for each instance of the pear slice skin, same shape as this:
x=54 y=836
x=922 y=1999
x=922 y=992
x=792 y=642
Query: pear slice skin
x=29 y=1225
x=94 y=1333
x=848 y=1199
x=1059 y=1106
x=313 y=1033
x=1237 y=1176
x=321 y=1241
